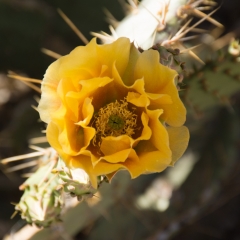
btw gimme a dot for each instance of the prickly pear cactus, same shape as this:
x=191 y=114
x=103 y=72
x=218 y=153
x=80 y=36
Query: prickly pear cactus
x=74 y=181
x=171 y=58
x=41 y=202
x=213 y=84
x=162 y=26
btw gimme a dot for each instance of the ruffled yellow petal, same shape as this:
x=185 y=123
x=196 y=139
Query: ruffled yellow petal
x=90 y=86
x=105 y=168
x=132 y=164
x=71 y=138
x=52 y=132
x=174 y=114
x=86 y=112
x=117 y=52
x=146 y=131
x=50 y=100
x=159 y=79
x=70 y=66
x=155 y=153
x=118 y=157
x=64 y=89
x=137 y=99
x=128 y=76
x=82 y=63
x=84 y=162
x=74 y=137
x=159 y=99
x=155 y=74
x=120 y=87
x=154 y=161
x=178 y=141
x=159 y=136
x=109 y=92
x=111 y=145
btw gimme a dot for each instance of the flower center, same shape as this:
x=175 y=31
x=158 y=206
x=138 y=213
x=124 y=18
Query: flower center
x=115 y=119
x=115 y=122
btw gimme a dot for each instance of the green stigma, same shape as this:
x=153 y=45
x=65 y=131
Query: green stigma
x=115 y=122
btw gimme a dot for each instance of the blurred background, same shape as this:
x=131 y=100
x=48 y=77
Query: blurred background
x=197 y=199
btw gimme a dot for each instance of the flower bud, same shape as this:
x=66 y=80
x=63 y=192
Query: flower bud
x=74 y=181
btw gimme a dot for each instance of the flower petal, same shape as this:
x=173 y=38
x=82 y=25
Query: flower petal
x=117 y=52
x=146 y=132
x=111 y=145
x=86 y=112
x=105 y=168
x=137 y=99
x=155 y=153
x=132 y=164
x=49 y=101
x=154 y=161
x=52 y=132
x=128 y=76
x=155 y=74
x=118 y=157
x=160 y=79
x=158 y=99
x=174 y=114
x=84 y=162
x=159 y=136
x=178 y=141
x=83 y=57
x=74 y=137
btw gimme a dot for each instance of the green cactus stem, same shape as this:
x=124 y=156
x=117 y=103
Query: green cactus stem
x=212 y=85
x=171 y=58
x=74 y=181
x=41 y=203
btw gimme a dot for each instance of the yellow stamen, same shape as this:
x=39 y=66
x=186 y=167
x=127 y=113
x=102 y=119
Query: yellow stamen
x=115 y=119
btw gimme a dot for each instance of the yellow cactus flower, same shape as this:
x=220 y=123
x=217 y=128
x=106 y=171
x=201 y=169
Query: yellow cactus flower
x=110 y=107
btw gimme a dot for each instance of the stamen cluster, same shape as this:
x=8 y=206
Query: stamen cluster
x=115 y=119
